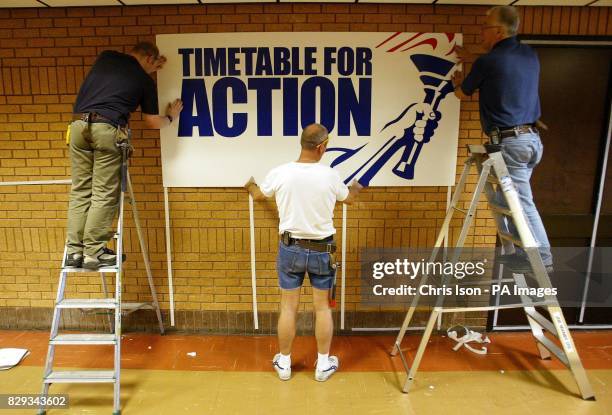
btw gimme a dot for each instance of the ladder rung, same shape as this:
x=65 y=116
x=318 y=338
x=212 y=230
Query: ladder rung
x=84 y=339
x=88 y=303
x=128 y=308
x=81 y=376
x=511 y=238
x=110 y=270
x=553 y=348
x=460 y=210
x=500 y=209
x=541 y=320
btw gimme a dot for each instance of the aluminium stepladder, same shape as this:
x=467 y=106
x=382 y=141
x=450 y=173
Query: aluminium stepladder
x=109 y=303
x=493 y=171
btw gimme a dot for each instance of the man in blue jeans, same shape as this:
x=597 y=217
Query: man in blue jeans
x=507 y=78
x=306 y=193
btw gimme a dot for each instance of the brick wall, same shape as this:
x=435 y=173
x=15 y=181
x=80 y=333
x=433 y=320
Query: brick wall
x=44 y=55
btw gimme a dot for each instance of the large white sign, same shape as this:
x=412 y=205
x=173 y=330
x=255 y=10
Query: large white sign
x=386 y=99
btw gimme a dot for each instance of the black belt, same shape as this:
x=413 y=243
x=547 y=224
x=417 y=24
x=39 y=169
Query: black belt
x=319 y=245
x=499 y=134
x=94 y=117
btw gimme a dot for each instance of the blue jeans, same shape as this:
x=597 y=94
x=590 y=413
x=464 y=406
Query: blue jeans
x=521 y=155
x=293 y=262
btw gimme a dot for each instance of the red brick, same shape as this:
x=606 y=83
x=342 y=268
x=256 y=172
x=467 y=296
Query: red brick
x=249 y=27
x=110 y=11
x=67 y=22
x=55 y=32
x=25 y=13
x=80 y=11
x=39 y=23
x=321 y=18
x=234 y=18
x=220 y=9
x=249 y=8
x=166 y=10
x=131 y=10
x=68 y=42
x=52 y=12
x=335 y=27
x=278 y=27
x=27 y=33
x=192 y=9
x=185 y=19
x=264 y=18
x=406 y=18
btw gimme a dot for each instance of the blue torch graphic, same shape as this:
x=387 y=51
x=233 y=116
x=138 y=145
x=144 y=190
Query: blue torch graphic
x=433 y=73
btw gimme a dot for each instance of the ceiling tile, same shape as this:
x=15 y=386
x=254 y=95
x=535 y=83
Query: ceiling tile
x=552 y=2
x=470 y=2
x=81 y=3
x=20 y=3
x=138 y=2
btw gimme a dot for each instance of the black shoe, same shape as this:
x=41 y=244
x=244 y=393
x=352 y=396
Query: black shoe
x=74 y=260
x=103 y=258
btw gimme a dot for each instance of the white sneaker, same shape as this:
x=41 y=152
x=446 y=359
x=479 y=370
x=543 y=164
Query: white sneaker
x=323 y=375
x=284 y=373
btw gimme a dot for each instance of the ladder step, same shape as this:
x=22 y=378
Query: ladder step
x=81 y=376
x=511 y=238
x=84 y=339
x=128 y=308
x=460 y=210
x=88 y=303
x=109 y=270
x=541 y=320
x=500 y=209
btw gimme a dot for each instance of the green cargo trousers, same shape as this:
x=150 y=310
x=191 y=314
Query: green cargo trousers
x=94 y=196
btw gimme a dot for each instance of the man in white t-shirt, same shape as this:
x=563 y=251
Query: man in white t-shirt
x=306 y=193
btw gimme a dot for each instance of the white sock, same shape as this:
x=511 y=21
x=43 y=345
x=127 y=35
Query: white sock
x=323 y=361
x=284 y=361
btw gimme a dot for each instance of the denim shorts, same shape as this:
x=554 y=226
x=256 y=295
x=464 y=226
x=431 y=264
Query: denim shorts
x=293 y=262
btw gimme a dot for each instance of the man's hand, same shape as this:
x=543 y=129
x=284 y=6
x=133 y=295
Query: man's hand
x=174 y=108
x=250 y=183
x=457 y=80
x=464 y=55
x=160 y=62
x=253 y=189
x=354 y=190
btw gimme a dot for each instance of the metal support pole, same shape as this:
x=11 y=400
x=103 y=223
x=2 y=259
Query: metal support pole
x=253 y=270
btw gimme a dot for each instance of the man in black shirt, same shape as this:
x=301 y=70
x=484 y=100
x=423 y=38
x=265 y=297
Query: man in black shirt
x=116 y=85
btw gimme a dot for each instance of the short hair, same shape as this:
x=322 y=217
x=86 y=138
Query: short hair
x=313 y=135
x=146 y=49
x=507 y=17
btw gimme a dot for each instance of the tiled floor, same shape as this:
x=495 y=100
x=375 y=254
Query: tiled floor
x=232 y=375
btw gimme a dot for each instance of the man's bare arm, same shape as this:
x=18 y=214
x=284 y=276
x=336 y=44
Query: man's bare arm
x=159 y=121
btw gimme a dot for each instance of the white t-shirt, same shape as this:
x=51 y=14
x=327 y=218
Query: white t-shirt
x=306 y=194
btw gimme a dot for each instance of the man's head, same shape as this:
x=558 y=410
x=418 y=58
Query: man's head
x=502 y=22
x=148 y=56
x=314 y=140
